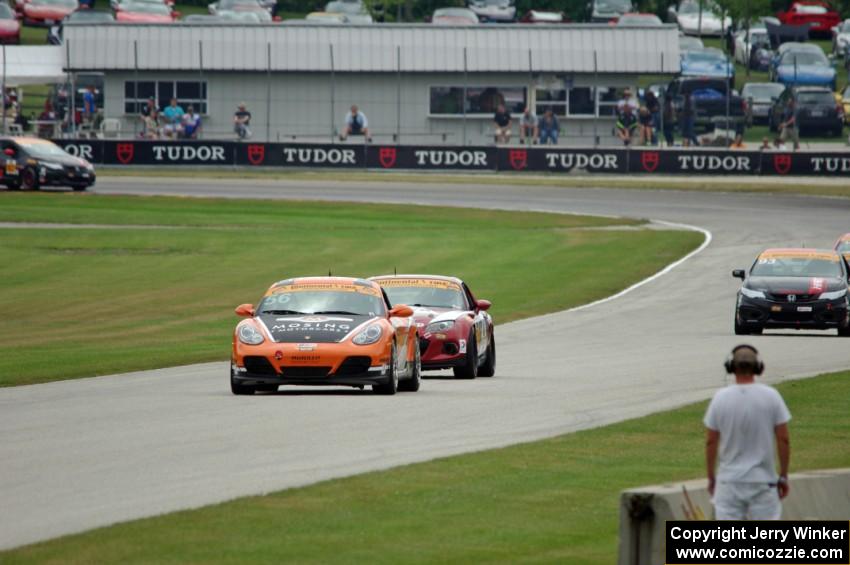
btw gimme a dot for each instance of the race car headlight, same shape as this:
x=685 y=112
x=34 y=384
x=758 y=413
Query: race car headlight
x=750 y=293
x=368 y=335
x=834 y=295
x=439 y=326
x=249 y=335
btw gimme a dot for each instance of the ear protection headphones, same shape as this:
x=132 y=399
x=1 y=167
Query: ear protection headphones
x=730 y=364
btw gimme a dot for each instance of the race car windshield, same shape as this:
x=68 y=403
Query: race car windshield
x=42 y=149
x=796 y=267
x=322 y=302
x=434 y=297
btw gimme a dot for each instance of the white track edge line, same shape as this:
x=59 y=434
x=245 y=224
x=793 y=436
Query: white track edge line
x=706 y=242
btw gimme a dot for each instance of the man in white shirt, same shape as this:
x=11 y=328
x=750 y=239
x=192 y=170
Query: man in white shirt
x=746 y=424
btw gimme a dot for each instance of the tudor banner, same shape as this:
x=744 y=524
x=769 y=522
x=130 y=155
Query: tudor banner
x=645 y=161
x=563 y=160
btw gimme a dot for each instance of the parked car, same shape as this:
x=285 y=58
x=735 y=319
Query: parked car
x=753 y=50
x=54 y=35
x=820 y=16
x=841 y=38
x=31 y=162
x=116 y=4
x=228 y=7
x=538 y=17
x=689 y=20
x=46 y=12
x=454 y=17
x=637 y=19
x=10 y=27
x=145 y=13
x=687 y=43
x=493 y=10
x=609 y=10
x=817 y=110
x=355 y=10
x=759 y=98
x=709 y=62
x=805 y=68
x=787 y=47
x=711 y=98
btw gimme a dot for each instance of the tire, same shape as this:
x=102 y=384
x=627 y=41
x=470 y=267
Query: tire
x=80 y=187
x=390 y=387
x=488 y=369
x=469 y=370
x=844 y=332
x=13 y=185
x=740 y=330
x=240 y=389
x=413 y=383
x=29 y=179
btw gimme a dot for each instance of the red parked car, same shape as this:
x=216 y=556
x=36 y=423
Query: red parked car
x=145 y=13
x=46 y=12
x=819 y=15
x=10 y=27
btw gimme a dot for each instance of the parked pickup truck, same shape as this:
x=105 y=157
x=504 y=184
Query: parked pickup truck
x=710 y=100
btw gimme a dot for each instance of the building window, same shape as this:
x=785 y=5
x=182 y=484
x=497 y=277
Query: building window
x=481 y=100
x=137 y=94
x=608 y=98
x=555 y=100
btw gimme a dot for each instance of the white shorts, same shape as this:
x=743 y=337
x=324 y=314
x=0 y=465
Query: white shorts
x=746 y=501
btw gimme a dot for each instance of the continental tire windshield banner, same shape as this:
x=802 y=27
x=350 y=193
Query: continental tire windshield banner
x=551 y=159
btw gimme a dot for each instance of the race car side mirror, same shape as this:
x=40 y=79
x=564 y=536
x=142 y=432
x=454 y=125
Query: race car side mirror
x=9 y=152
x=483 y=304
x=245 y=310
x=739 y=274
x=401 y=311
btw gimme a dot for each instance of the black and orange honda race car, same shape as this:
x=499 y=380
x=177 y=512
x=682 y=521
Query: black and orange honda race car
x=325 y=331
x=793 y=288
x=456 y=331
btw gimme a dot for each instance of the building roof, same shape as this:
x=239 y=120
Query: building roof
x=30 y=64
x=373 y=48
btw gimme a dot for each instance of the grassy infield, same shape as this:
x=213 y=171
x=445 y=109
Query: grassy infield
x=143 y=290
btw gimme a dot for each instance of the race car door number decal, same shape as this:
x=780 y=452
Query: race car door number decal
x=11 y=167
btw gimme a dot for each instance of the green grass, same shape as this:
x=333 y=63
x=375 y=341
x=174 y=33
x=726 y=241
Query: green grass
x=112 y=300
x=552 y=501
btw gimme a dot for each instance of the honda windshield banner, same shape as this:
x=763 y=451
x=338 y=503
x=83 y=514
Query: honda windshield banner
x=709 y=161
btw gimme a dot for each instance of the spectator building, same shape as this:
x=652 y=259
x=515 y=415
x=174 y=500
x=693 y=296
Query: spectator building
x=418 y=83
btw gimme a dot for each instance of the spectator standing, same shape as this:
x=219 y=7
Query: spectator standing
x=645 y=126
x=89 y=105
x=356 y=123
x=746 y=424
x=242 y=122
x=686 y=120
x=191 y=123
x=502 y=123
x=788 y=127
x=528 y=127
x=549 y=128
x=173 y=115
x=46 y=129
x=669 y=120
x=626 y=125
x=654 y=107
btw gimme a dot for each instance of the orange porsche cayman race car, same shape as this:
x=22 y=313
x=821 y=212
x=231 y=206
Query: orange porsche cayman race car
x=325 y=331
x=456 y=332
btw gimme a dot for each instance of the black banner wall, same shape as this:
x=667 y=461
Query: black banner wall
x=534 y=159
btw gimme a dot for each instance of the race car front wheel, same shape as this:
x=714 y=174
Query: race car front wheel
x=29 y=179
x=391 y=386
x=239 y=389
x=412 y=384
x=469 y=370
x=488 y=369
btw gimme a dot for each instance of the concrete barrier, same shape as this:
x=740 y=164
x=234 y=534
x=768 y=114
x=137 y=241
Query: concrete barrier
x=821 y=495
